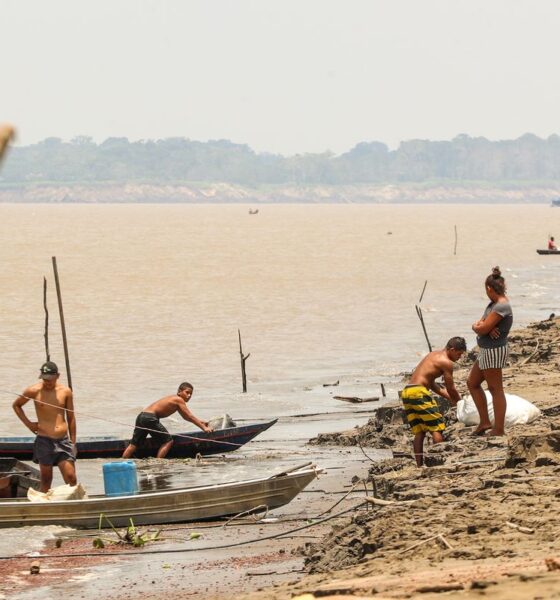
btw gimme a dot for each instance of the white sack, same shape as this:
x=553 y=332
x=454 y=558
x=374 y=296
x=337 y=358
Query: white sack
x=61 y=492
x=222 y=422
x=518 y=410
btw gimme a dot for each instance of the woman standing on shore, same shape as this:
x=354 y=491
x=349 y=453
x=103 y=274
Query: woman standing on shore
x=492 y=331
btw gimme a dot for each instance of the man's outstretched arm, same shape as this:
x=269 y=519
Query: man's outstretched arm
x=189 y=416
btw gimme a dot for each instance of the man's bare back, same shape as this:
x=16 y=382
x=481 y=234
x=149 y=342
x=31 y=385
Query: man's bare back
x=166 y=406
x=432 y=366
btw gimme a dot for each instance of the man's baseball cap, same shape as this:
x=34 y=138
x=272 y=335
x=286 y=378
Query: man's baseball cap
x=48 y=370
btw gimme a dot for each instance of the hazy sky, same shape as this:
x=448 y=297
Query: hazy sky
x=283 y=76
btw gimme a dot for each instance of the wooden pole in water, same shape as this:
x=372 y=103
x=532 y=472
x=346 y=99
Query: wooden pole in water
x=423 y=290
x=48 y=354
x=420 y=316
x=62 y=325
x=419 y=313
x=455 y=249
x=383 y=391
x=243 y=360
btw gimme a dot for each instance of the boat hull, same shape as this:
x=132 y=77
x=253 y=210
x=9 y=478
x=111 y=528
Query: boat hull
x=197 y=442
x=548 y=251
x=169 y=506
x=16 y=478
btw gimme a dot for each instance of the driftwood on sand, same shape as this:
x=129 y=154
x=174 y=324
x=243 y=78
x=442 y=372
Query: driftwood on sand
x=356 y=399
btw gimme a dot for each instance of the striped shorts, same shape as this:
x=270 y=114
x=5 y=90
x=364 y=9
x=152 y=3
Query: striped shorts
x=493 y=358
x=422 y=412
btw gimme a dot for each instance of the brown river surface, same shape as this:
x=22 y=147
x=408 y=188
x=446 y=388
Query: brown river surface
x=154 y=295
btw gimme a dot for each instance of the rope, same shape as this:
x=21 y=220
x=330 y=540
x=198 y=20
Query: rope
x=250 y=512
x=82 y=414
x=197 y=549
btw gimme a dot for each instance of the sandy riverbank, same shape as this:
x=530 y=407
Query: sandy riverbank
x=482 y=521
x=189 y=192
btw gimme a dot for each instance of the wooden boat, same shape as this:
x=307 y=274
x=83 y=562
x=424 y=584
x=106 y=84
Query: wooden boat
x=167 y=506
x=16 y=478
x=195 y=442
x=548 y=251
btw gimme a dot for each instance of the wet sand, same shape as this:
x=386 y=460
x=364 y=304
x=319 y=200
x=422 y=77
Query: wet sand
x=183 y=567
x=481 y=521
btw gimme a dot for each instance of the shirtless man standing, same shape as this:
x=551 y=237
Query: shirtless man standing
x=149 y=418
x=421 y=409
x=55 y=427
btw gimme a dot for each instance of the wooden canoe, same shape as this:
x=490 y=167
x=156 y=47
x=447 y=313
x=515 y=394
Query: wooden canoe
x=548 y=251
x=166 y=506
x=197 y=442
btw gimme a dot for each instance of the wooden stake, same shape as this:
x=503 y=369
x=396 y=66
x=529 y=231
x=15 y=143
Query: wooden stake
x=62 y=325
x=383 y=391
x=455 y=249
x=419 y=313
x=243 y=360
x=423 y=290
x=48 y=354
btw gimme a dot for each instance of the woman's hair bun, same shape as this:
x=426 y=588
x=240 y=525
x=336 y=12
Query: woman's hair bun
x=496 y=272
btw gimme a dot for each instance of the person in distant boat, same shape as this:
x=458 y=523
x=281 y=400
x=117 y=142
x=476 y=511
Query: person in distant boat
x=148 y=421
x=55 y=427
x=552 y=244
x=492 y=336
x=422 y=411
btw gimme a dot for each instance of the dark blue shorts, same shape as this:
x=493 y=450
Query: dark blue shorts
x=50 y=451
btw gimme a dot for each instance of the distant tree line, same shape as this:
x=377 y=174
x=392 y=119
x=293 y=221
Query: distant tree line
x=176 y=160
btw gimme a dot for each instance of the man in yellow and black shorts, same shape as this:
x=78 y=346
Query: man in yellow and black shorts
x=421 y=409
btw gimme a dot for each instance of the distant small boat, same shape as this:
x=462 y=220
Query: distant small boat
x=555 y=202
x=548 y=251
x=165 y=506
x=253 y=212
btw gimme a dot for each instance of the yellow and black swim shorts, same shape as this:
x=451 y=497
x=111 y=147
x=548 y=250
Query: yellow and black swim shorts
x=422 y=411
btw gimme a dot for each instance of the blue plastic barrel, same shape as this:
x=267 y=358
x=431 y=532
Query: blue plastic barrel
x=120 y=478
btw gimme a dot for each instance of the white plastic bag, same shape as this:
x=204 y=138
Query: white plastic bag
x=518 y=410
x=61 y=492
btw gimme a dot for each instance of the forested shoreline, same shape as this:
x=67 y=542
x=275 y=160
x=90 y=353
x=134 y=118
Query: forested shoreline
x=528 y=161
